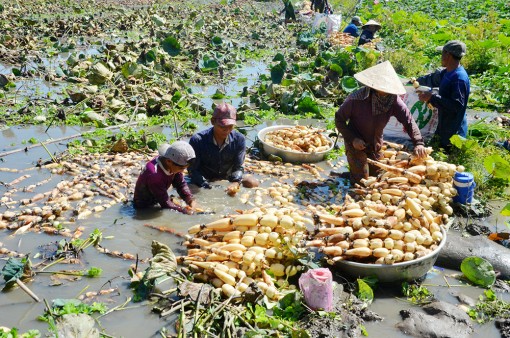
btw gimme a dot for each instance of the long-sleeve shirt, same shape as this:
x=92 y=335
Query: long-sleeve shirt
x=354 y=119
x=213 y=162
x=352 y=29
x=365 y=37
x=451 y=101
x=152 y=187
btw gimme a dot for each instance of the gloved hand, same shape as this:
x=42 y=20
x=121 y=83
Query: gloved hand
x=236 y=176
x=206 y=185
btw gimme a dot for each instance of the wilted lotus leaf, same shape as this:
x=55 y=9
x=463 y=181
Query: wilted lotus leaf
x=163 y=263
x=3 y=80
x=193 y=290
x=99 y=74
x=77 y=326
x=120 y=146
x=116 y=105
x=158 y=21
x=121 y=117
x=89 y=116
x=76 y=96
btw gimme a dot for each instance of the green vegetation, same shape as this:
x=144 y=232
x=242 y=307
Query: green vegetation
x=13 y=333
x=489 y=307
x=417 y=294
x=479 y=271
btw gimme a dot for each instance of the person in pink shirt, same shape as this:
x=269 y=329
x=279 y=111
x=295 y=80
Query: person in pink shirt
x=164 y=171
x=364 y=114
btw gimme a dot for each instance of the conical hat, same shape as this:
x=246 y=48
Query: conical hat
x=382 y=77
x=371 y=23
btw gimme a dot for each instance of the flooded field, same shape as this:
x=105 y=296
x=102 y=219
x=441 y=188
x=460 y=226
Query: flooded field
x=125 y=230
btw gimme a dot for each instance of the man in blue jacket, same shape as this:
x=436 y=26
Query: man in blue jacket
x=352 y=28
x=454 y=89
x=219 y=150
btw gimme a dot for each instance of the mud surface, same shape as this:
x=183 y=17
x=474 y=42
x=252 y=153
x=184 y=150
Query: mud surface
x=438 y=319
x=504 y=327
x=347 y=320
x=457 y=248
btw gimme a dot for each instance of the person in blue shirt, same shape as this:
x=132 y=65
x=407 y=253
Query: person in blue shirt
x=220 y=150
x=352 y=28
x=454 y=88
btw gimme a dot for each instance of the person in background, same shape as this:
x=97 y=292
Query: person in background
x=364 y=114
x=454 y=88
x=321 y=6
x=352 y=28
x=288 y=9
x=368 y=31
x=220 y=150
x=162 y=172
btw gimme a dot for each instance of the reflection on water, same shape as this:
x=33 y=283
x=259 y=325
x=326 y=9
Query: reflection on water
x=127 y=209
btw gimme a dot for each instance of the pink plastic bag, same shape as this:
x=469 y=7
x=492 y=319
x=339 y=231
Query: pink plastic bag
x=317 y=287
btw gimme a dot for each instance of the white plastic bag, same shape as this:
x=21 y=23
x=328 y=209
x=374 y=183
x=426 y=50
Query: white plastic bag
x=317 y=287
x=333 y=22
x=425 y=118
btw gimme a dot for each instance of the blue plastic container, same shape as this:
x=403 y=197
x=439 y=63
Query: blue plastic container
x=465 y=185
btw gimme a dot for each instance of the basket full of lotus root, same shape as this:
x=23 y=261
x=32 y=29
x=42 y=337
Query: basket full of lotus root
x=295 y=143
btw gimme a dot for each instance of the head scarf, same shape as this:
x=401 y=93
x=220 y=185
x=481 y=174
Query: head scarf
x=380 y=104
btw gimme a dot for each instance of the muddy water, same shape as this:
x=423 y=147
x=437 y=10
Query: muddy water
x=124 y=230
x=249 y=73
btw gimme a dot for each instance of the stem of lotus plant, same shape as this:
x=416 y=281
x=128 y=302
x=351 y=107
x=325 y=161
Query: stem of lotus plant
x=27 y=290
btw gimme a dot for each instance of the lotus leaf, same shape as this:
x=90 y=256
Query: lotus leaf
x=200 y=23
x=131 y=69
x=349 y=84
x=305 y=39
x=278 y=70
x=216 y=41
x=219 y=94
x=497 y=166
x=208 y=64
x=12 y=270
x=506 y=210
x=478 y=270
x=171 y=45
x=116 y=105
x=307 y=104
x=77 y=325
x=90 y=115
x=364 y=292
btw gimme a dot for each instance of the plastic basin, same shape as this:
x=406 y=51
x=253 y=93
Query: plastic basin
x=291 y=155
x=402 y=271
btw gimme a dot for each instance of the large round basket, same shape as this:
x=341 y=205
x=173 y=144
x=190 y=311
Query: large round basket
x=403 y=271
x=291 y=155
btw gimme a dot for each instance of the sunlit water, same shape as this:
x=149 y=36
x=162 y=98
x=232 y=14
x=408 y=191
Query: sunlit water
x=124 y=230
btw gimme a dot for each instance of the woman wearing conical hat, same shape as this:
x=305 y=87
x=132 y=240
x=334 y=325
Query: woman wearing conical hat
x=364 y=114
x=368 y=31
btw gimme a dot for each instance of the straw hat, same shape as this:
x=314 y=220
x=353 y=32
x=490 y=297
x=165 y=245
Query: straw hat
x=372 y=23
x=382 y=77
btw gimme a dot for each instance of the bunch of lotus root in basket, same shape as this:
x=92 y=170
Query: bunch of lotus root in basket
x=299 y=138
x=396 y=216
